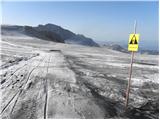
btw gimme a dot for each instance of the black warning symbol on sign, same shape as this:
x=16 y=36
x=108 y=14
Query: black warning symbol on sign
x=133 y=40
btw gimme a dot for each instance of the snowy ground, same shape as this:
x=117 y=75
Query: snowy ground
x=41 y=79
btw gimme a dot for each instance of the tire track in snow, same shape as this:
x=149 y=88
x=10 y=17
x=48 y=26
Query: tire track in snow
x=12 y=74
x=26 y=82
x=20 y=91
x=46 y=93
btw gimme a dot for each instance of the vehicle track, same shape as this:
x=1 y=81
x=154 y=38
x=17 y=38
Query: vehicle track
x=20 y=91
x=37 y=95
x=11 y=81
x=46 y=93
x=13 y=74
x=26 y=82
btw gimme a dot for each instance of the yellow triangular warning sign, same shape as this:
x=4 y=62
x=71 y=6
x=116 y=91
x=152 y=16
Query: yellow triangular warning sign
x=133 y=40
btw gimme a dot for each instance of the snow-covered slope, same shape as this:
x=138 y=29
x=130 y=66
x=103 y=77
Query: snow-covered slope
x=43 y=79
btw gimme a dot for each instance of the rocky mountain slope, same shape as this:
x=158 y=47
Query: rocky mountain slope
x=68 y=36
x=30 y=31
x=49 y=32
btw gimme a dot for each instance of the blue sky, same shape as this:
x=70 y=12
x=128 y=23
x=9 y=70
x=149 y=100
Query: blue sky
x=102 y=21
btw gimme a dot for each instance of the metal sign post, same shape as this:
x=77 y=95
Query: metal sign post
x=130 y=73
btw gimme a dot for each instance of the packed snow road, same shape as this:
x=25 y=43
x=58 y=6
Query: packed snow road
x=44 y=87
x=41 y=79
x=40 y=89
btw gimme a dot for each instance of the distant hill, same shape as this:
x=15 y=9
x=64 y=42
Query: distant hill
x=43 y=34
x=63 y=33
x=30 y=31
x=68 y=36
x=12 y=30
x=49 y=32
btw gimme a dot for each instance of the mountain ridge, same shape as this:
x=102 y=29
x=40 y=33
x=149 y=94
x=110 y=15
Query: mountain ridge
x=49 y=32
x=68 y=36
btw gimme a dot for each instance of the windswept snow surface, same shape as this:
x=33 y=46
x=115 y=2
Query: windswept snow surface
x=41 y=79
